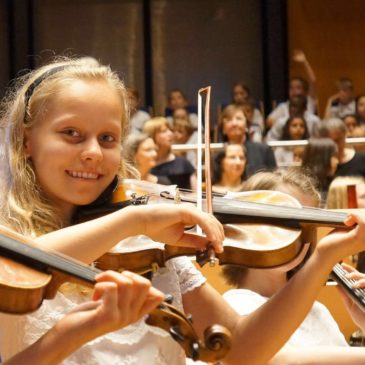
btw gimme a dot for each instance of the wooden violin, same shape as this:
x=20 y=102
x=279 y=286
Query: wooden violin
x=262 y=229
x=28 y=275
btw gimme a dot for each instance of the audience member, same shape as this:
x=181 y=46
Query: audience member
x=178 y=100
x=141 y=151
x=229 y=168
x=234 y=130
x=297 y=108
x=343 y=102
x=294 y=129
x=352 y=125
x=255 y=121
x=351 y=162
x=137 y=116
x=297 y=87
x=177 y=169
x=360 y=108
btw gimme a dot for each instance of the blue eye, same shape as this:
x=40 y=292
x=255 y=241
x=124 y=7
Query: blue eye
x=71 y=132
x=107 y=138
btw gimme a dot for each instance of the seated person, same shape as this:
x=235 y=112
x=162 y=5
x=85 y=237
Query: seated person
x=233 y=126
x=138 y=117
x=352 y=124
x=141 y=151
x=255 y=121
x=351 y=162
x=178 y=100
x=318 y=339
x=229 y=168
x=294 y=129
x=297 y=87
x=297 y=108
x=343 y=102
x=177 y=169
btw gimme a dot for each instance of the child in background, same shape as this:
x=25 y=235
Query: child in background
x=295 y=129
x=318 y=339
x=343 y=102
x=178 y=100
x=255 y=121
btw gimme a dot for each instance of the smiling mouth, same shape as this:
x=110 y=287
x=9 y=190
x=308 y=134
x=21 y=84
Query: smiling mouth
x=83 y=175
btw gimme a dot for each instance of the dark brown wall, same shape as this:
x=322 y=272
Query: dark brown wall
x=332 y=34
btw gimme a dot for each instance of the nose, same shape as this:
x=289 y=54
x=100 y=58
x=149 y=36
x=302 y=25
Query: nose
x=91 y=150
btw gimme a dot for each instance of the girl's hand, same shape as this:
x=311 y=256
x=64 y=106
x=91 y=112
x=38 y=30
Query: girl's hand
x=342 y=243
x=166 y=223
x=356 y=313
x=119 y=300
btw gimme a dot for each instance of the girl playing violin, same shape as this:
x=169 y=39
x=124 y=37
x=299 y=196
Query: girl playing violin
x=318 y=339
x=64 y=125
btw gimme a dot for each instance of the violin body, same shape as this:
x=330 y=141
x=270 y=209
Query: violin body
x=273 y=241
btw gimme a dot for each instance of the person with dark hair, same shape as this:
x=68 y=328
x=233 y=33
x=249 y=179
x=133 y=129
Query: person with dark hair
x=360 y=108
x=320 y=159
x=294 y=129
x=178 y=100
x=233 y=126
x=297 y=108
x=255 y=121
x=352 y=123
x=343 y=102
x=229 y=168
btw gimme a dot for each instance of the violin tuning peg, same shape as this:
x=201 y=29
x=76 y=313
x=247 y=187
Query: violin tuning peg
x=169 y=298
x=176 y=334
x=195 y=351
x=189 y=317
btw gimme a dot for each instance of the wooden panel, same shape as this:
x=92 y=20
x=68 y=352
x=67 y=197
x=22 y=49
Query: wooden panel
x=331 y=33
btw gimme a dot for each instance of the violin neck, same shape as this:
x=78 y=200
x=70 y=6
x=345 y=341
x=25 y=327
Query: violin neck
x=44 y=261
x=235 y=211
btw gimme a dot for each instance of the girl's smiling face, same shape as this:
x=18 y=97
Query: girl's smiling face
x=75 y=146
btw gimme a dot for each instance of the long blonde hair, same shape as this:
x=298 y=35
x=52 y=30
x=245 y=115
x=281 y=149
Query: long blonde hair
x=24 y=208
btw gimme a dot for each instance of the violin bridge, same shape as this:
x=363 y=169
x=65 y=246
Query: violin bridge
x=177 y=197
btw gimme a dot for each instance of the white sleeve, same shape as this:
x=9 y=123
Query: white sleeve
x=189 y=276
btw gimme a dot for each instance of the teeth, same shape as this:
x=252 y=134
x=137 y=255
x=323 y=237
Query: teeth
x=83 y=175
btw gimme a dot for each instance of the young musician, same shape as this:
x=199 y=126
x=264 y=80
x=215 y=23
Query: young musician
x=64 y=125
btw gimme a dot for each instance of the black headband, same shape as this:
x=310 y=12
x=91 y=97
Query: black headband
x=38 y=81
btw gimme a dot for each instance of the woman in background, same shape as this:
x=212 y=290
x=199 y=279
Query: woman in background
x=229 y=168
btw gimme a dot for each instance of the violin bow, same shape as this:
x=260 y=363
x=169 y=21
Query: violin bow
x=206 y=91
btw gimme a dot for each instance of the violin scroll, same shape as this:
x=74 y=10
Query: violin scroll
x=217 y=339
